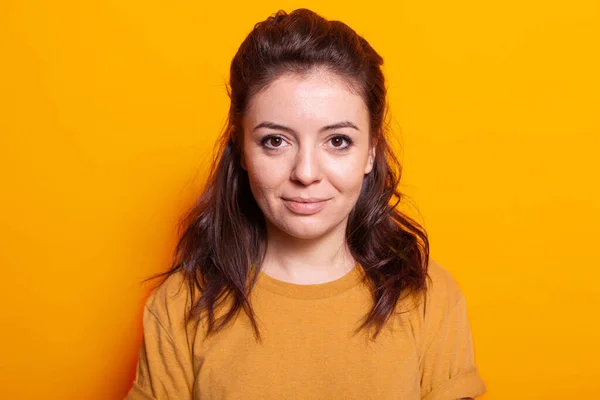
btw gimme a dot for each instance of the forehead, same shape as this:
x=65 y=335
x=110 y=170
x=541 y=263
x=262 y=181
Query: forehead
x=310 y=101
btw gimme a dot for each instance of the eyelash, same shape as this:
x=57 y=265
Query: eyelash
x=264 y=141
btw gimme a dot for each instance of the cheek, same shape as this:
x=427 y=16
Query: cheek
x=265 y=179
x=346 y=176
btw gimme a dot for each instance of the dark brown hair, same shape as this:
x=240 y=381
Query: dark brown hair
x=224 y=234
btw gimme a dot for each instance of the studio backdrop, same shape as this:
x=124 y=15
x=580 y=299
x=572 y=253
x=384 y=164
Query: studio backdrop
x=108 y=112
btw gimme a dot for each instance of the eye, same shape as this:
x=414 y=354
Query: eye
x=272 y=142
x=340 y=142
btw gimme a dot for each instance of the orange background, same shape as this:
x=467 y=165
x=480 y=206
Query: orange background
x=108 y=111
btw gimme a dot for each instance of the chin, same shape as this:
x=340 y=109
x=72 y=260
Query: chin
x=313 y=230
x=309 y=228
x=307 y=235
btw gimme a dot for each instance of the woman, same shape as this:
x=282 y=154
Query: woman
x=296 y=276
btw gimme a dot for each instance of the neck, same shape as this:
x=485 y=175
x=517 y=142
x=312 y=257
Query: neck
x=307 y=261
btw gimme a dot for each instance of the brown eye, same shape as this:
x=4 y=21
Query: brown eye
x=275 y=141
x=340 y=142
x=337 y=141
x=272 y=142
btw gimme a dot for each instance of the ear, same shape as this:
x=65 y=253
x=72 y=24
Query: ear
x=371 y=159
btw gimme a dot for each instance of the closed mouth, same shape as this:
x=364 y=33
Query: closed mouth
x=305 y=206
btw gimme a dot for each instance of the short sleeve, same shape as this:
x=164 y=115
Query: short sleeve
x=164 y=368
x=447 y=366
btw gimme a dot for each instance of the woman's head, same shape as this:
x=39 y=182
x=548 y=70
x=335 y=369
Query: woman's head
x=306 y=149
x=306 y=122
x=307 y=111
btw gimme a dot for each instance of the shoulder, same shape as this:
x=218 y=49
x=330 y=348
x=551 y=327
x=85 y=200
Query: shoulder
x=170 y=299
x=433 y=308
x=442 y=288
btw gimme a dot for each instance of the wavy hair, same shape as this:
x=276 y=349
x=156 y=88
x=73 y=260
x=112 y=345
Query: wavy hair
x=224 y=234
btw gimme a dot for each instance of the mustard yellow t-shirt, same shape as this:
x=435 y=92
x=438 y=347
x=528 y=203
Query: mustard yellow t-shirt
x=308 y=350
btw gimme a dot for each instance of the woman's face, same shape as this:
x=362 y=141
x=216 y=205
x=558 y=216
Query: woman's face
x=306 y=150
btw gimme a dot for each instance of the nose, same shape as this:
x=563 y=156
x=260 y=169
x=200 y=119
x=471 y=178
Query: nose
x=306 y=169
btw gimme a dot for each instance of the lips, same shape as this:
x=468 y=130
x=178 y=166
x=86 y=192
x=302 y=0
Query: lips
x=304 y=205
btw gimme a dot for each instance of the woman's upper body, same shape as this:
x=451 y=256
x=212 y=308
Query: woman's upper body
x=295 y=257
x=308 y=349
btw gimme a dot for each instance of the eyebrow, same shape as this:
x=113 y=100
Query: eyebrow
x=338 y=125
